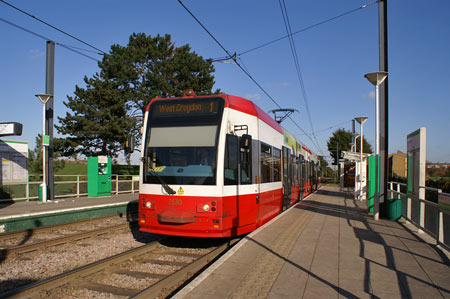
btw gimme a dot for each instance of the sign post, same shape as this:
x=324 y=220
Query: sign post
x=416 y=148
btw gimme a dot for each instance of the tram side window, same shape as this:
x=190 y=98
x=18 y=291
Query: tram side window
x=303 y=169
x=294 y=169
x=246 y=164
x=231 y=160
x=266 y=163
x=276 y=165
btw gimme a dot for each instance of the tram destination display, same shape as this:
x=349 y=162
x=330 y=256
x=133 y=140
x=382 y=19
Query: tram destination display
x=185 y=109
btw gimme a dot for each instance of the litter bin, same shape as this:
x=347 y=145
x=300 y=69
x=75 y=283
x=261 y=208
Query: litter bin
x=394 y=208
x=40 y=192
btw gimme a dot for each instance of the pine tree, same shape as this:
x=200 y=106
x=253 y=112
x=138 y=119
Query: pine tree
x=99 y=122
x=114 y=101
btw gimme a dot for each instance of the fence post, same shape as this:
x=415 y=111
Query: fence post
x=408 y=207
x=27 y=191
x=117 y=184
x=78 y=186
x=132 y=185
x=398 y=190
x=421 y=209
x=440 y=232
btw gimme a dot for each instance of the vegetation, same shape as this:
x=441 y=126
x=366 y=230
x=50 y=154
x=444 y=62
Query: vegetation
x=35 y=159
x=342 y=139
x=114 y=101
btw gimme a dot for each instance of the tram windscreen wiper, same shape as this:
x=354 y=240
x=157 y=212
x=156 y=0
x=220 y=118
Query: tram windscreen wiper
x=164 y=184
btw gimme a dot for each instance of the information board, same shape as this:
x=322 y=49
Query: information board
x=14 y=162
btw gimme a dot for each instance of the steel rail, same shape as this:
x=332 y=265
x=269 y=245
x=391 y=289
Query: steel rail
x=7 y=252
x=173 y=280
x=53 y=282
x=23 y=233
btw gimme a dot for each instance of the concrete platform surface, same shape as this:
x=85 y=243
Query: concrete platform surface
x=30 y=208
x=327 y=247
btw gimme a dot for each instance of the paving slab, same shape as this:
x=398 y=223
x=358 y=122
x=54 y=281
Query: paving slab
x=327 y=246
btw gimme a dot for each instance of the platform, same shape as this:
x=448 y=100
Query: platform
x=327 y=247
x=16 y=216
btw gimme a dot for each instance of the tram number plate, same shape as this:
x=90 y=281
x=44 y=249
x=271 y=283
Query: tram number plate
x=175 y=202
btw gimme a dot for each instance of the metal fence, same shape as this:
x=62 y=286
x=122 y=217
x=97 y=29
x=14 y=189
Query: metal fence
x=65 y=186
x=427 y=215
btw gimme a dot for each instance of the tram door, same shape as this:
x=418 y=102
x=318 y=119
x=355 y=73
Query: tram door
x=287 y=177
x=238 y=177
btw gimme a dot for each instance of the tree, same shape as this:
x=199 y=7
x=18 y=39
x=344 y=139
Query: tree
x=99 y=122
x=153 y=67
x=114 y=101
x=341 y=140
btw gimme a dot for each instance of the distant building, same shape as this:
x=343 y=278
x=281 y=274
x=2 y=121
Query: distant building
x=398 y=165
x=437 y=165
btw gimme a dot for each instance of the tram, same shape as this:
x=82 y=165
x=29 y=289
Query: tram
x=218 y=166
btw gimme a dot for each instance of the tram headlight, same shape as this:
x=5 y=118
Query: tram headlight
x=206 y=207
x=148 y=205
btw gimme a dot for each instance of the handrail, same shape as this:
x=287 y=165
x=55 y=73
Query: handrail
x=439 y=236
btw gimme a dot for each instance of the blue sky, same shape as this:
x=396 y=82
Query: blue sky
x=333 y=58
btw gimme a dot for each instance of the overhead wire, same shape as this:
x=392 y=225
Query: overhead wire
x=54 y=27
x=309 y=27
x=78 y=49
x=294 y=53
x=70 y=48
x=243 y=69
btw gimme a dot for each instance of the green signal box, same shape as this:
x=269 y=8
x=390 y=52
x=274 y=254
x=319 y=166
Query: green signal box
x=99 y=176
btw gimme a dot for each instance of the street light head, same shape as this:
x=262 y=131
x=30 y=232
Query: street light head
x=43 y=97
x=376 y=78
x=361 y=120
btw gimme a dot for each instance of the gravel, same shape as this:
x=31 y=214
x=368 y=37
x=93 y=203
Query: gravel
x=39 y=265
x=62 y=231
x=57 y=259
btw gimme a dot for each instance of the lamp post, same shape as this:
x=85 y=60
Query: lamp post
x=44 y=99
x=376 y=79
x=361 y=120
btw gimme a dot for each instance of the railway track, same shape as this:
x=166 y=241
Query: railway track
x=149 y=271
x=40 y=245
x=22 y=246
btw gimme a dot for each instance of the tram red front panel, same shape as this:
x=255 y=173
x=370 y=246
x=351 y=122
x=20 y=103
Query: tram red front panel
x=186 y=215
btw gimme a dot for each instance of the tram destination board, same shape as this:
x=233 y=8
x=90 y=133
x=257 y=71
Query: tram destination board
x=177 y=108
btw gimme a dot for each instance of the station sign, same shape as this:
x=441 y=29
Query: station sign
x=10 y=129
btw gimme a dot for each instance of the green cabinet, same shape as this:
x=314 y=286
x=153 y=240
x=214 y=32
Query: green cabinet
x=99 y=176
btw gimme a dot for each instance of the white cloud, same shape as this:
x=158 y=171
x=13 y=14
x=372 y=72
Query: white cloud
x=371 y=95
x=284 y=84
x=36 y=53
x=253 y=97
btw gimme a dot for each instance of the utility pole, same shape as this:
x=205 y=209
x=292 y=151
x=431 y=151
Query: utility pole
x=384 y=107
x=49 y=89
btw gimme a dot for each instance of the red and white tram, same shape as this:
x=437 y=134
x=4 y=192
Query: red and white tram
x=218 y=166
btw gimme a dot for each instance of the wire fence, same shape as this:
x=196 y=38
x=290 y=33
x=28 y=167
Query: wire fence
x=65 y=186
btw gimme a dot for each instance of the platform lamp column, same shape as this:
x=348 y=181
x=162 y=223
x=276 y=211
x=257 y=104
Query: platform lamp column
x=45 y=142
x=361 y=120
x=376 y=79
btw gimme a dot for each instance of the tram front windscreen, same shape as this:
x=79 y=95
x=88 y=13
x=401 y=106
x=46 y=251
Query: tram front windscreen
x=181 y=142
